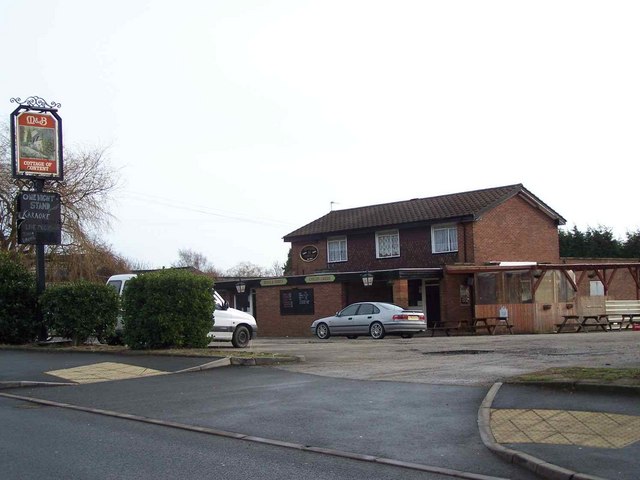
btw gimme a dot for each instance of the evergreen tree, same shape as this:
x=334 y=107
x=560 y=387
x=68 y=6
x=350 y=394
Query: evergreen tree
x=602 y=244
x=598 y=243
x=631 y=246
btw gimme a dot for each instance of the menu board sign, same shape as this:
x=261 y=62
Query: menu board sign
x=298 y=301
x=39 y=218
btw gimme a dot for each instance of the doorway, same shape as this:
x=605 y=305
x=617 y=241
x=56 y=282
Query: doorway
x=432 y=300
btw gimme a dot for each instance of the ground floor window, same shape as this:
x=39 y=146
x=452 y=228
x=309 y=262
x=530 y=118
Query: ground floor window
x=596 y=288
x=486 y=289
x=297 y=301
x=415 y=293
x=504 y=287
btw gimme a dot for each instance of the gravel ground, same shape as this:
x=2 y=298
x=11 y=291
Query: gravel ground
x=459 y=360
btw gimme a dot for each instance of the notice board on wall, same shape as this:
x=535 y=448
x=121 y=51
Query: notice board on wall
x=297 y=301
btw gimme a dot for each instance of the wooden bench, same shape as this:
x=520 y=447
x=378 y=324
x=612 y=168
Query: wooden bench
x=490 y=324
x=622 y=313
x=449 y=326
x=571 y=322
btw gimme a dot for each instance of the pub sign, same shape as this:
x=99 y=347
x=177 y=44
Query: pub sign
x=37 y=144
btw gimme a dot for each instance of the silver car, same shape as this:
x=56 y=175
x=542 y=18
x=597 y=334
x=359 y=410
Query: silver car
x=371 y=318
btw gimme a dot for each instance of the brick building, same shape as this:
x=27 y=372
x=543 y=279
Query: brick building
x=452 y=256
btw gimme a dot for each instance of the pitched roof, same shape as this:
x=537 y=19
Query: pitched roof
x=454 y=207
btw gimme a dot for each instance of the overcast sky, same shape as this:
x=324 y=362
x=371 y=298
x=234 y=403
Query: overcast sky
x=234 y=122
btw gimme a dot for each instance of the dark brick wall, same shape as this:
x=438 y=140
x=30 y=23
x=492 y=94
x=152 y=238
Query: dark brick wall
x=513 y=231
x=415 y=252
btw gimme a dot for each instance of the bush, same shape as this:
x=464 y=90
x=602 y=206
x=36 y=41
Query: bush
x=80 y=310
x=171 y=308
x=18 y=319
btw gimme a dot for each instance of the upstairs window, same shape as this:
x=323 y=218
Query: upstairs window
x=387 y=244
x=444 y=239
x=337 y=249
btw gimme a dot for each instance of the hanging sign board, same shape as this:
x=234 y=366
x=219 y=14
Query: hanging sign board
x=37 y=144
x=39 y=218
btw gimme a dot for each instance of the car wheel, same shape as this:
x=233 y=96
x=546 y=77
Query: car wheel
x=407 y=335
x=241 y=337
x=322 y=331
x=377 y=330
x=352 y=337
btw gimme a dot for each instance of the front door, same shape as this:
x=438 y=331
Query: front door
x=432 y=298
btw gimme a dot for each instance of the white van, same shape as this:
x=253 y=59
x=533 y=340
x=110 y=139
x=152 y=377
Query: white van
x=229 y=324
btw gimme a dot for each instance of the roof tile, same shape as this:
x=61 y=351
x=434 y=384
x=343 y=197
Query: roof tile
x=428 y=210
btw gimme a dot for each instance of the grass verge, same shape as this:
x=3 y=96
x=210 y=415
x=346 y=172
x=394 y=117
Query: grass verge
x=602 y=376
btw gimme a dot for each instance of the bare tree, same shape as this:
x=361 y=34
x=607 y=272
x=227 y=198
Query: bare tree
x=247 y=269
x=191 y=258
x=93 y=262
x=276 y=270
x=88 y=183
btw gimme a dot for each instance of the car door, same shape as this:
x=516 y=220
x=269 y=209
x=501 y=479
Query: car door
x=343 y=323
x=366 y=315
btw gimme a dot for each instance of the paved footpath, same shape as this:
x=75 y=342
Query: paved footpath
x=595 y=433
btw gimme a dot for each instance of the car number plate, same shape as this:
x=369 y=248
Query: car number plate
x=413 y=317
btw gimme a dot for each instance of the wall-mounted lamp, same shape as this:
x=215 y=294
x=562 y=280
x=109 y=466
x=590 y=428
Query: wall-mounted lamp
x=367 y=279
x=240 y=286
x=537 y=273
x=591 y=274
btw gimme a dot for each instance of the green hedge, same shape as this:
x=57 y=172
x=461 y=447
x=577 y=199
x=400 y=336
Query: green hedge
x=170 y=308
x=18 y=319
x=80 y=310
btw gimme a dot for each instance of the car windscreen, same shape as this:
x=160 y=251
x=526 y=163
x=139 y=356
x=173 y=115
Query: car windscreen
x=115 y=284
x=218 y=299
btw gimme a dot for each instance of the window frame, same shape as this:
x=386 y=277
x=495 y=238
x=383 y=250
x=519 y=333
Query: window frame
x=596 y=288
x=445 y=226
x=364 y=306
x=331 y=240
x=387 y=233
x=345 y=313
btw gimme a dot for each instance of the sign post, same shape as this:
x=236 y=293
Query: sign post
x=36 y=155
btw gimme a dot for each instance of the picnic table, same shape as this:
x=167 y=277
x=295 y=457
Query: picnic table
x=491 y=324
x=623 y=313
x=601 y=321
x=630 y=319
x=578 y=323
x=460 y=326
